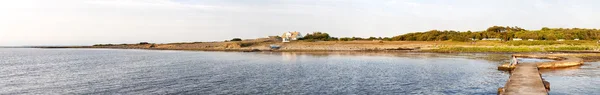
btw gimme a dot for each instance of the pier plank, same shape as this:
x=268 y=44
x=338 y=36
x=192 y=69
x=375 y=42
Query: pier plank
x=525 y=79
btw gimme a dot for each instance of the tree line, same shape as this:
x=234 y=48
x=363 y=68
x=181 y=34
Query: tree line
x=505 y=33
x=321 y=36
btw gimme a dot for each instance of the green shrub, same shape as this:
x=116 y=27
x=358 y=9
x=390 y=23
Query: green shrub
x=236 y=39
x=144 y=43
x=318 y=36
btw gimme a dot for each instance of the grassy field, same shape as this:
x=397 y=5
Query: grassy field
x=520 y=46
x=513 y=49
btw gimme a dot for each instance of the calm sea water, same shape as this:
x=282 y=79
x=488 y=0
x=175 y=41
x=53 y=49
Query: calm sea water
x=108 y=71
x=583 y=80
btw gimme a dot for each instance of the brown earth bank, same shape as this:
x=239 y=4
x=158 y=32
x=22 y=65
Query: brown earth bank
x=264 y=44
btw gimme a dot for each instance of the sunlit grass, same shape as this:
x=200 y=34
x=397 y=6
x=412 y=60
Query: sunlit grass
x=512 y=49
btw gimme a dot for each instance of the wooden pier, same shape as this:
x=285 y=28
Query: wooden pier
x=525 y=79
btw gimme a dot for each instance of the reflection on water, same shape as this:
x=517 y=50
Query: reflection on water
x=494 y=57
x=289 y=56
x=89 y=71
x=98 y=71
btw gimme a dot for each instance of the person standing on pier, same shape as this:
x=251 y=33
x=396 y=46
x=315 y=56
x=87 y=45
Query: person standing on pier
x=514 y=61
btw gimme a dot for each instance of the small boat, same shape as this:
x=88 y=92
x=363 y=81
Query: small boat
x=274 y=46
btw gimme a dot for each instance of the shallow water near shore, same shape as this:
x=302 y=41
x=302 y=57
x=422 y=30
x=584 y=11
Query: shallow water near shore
x=113 y=71
x=581 y=80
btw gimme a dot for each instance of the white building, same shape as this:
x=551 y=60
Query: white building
x=517 y=39
x=560 y=40
x=291 y=36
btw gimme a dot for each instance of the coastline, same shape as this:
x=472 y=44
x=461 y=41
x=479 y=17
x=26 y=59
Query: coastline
x=362 y=46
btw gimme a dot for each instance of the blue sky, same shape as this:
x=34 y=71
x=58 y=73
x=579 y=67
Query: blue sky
x=87 y=22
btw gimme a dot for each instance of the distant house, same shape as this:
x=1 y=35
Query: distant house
x=560 y=40
x=517 y=39
x=530 y=40
x=290 y=36
x=576 y=39
x=492 y=39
